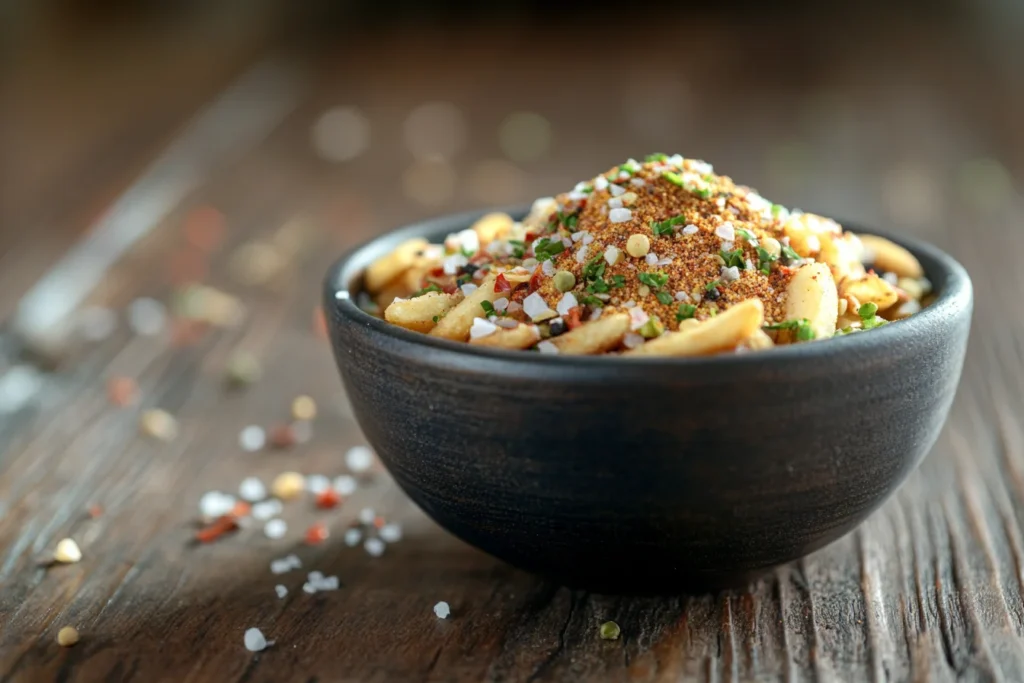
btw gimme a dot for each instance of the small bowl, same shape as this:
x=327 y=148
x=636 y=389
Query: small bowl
x=650 y=475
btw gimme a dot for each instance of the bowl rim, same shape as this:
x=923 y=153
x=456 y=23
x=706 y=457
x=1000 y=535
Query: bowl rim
x=955 y=297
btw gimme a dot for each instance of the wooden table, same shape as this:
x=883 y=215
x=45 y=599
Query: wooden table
x=888 y=132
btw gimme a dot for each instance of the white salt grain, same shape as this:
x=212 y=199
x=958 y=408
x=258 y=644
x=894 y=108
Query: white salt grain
x=468 y=289
x=309 y=588
x=367 y=515
x=547 y=347
x=374 y=547
x=252 y=490
x=390 y=533
x=255 y=641
x=482 y=328
x=216 y=503
x=275 y=528
x=616 y=190
x=265 y=509
x=147 y=316
x=651 y=258
x=691 y=230
x=317 y=483
x=567 y=303
x=352 y=537
x=620 y=215
x=280 y=590
x=252 y=438
x=358 y=459
x=726 y=231
x=345 y=485
x=442 y=610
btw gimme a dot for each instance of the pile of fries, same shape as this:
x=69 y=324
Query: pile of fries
x=495 y=284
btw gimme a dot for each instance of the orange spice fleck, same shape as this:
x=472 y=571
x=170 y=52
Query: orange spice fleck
x=220 y=526
x=317 y=534
x=122 y=391
x=328 y=499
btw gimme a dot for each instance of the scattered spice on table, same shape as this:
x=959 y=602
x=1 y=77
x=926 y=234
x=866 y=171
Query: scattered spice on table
x=255 y=641
x=243 y=369
x=328 y=499
x=159 y=424
x=67 y=636
x=303 y=408
x=442 y=610
x=317 y=533
x=67 y=552
x=283 y=436
x=220 y=526
x=359 y=459
x=275 y=528
x=610 y=631
x=288 y=485
x=252 y=438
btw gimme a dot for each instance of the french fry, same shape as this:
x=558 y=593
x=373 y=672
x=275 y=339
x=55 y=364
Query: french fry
x=492 y=226
x=871 y=289
x=812 y=295
x=724 y=331
x=891 y=257
x=419 y=312
x=596 y=336
x=385 y=269
x=519 y=337
x=455 y=325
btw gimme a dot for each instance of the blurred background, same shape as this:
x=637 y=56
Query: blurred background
x=905 y=115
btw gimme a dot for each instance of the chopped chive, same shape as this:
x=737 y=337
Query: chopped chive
x=426 y=290
x=666 y=227
x=518 y=248
x=673 y=178
x=789 y=254
x=664 y=297
x=488 y=307
x=685 y=312
x=618 y=281
x=711 y=285
x=655 y=280
x=733 y=258
x=594 y=268
x=591 y=300
x=746 y=234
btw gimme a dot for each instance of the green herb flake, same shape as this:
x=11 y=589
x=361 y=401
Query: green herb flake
x=591 y=300
x=711 y=285
x=789 y=254
x=545 y=249
x=518 y=248
x=746 y=234
x=436 y=318
x=867 y=311
x=685 y=312
x=618 y=281
x=652 y=328
x=777 y=210
x=488 y=307
x=426 y=290
x=733 y=258
x=673 y=178
x=765 y=260
x=598 y=286
x=656 y=157
x=666 y=227
x=664 y=297
x=655 y=280
x=594 y=268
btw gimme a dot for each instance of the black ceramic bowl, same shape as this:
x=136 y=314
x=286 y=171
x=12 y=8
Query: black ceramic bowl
x=647 y=475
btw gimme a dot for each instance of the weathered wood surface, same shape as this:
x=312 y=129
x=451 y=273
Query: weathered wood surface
x=929 y=589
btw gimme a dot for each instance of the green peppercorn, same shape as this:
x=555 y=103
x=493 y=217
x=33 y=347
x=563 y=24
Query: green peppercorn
x=610 y=631
x=564 y=281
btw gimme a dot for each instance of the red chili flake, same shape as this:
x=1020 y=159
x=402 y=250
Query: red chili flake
x=501 y=284
x=572 y=320
x=241 y=509
x=327 y=499
x=535 y=281
x=282 y=436
x=122 y=391
x=529 y=238
x=220 y=526
x=317 y=534
x=95 y=511
x=449 y=288
x=437 y=272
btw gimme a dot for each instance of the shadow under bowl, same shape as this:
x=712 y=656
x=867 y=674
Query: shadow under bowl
x=650 y=475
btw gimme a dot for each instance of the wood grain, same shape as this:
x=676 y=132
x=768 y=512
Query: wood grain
x=928 y=589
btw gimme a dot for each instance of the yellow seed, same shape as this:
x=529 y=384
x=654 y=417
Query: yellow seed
x=67 y=552
x=67 y=636
x=288 y=485
x=638 y=245
x=159 y=424
x=303 y=408
x=643 y=290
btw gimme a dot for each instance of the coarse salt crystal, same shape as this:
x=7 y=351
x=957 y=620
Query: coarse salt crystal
x=357 y=459
x=535 y=307
x=374 y=547
x=651 y=258
x=623 y=175
x=280 y=590
x=317 y=483
x=469 y=240
x=726 y=231
x=547 y=347
x=749 y=264
x=67 y=551
x=577 y=236
x=567 y=303
x=909 y=307
x=588 y=239
x=632 y=340
x=637 y=182
x=675 y=160
x=501 y=304
x=453 y=263
x=720 y=202
x=507 y=323
x=581 y=254
x=147 y=316
x=548 y=268
x=617 y=190
x=255 y=640
x=315 y=576
x=682 y=296
x=620 y=215
x=691 y=230
x=629 y=304
x=482 y=328
x=308 y=588
x=352 y=537
x=265 y=509
x=612 y=254
x=637 y=318
x=468 y=288
x=731 y=273
x=345 y=485
x=275 y=528
x=252 y=438
x=576 y=195
x=615 y=203
x=514 y=307
x=566 y=242
x=328 y=583
x=367 y=515
x=728 y=246
x=664 y=261
x=891 y=278
x=390 y=532
x=216 y=503
x=442 y=610
x=252 y=489
x=596 y=313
